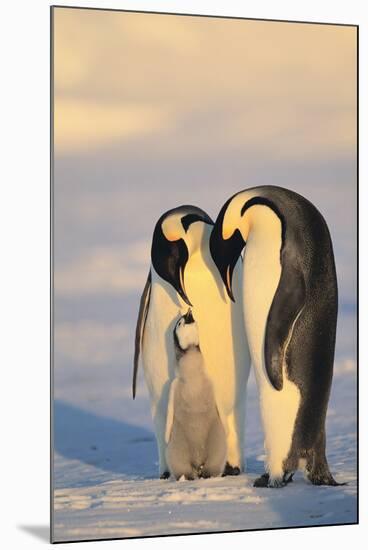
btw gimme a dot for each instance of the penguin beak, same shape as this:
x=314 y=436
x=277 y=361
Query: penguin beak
x=225 y=252
x=188 y=317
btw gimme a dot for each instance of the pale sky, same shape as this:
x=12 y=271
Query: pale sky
x=276 y=88
x=153 y=111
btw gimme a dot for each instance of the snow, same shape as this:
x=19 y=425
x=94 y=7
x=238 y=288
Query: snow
x=105 y=463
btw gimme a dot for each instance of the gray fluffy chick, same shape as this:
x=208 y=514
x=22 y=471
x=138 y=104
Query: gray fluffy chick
x=195 y=434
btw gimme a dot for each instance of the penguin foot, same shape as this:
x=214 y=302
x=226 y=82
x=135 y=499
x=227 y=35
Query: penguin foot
x=202 y=472
x=319 y=474
x=273 y=483
x=230 y=470
x=165 y=475
x=262 y=481
x=324 y=480
x=288 y=477
x=276 y=483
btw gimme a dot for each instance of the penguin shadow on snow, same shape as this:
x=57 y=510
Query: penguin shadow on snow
x=110 y=445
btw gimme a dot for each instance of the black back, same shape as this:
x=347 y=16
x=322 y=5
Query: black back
x=306 y=294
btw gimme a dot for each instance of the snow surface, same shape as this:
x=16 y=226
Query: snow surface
x=105 y=466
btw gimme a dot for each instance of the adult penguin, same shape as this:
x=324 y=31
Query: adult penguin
x=183 y=273
x=290 y=312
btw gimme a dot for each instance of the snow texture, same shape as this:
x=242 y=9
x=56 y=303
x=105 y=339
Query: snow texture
x=105 y=467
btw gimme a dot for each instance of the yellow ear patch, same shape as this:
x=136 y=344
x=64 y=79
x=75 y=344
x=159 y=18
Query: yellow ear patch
x=243 y=224
x=227 y=231
x=172 y=228
x=172 y=236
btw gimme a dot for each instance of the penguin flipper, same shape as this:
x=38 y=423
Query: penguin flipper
x=287 y=304
x=170 y=411
x=139 y=331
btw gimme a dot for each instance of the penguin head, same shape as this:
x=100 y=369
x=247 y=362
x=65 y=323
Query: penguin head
x=237 y=218
x=178 y=234
x=186 y=332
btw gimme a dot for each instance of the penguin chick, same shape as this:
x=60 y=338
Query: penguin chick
x=195 y=434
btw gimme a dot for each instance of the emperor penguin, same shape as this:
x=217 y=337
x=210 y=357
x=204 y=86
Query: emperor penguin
x=290 y=312
x=183 y=274
x=195 y=435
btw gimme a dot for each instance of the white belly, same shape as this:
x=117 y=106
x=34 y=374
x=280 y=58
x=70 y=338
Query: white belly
x=158 y=357
x=262 y=271
x=221 y=331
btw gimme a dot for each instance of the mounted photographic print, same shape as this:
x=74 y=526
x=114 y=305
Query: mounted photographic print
x=204 y=227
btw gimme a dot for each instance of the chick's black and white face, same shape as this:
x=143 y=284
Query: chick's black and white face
x=186 y=332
